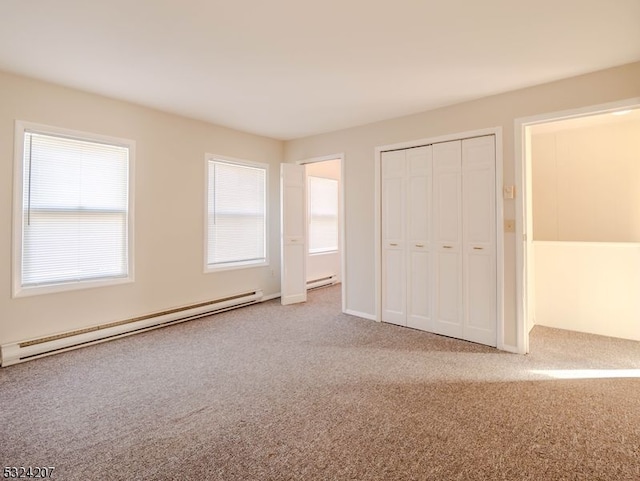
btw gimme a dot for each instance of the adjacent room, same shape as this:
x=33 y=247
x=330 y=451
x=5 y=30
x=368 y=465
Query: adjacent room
x=586 y=224
x=324 y=208
x=320 y=240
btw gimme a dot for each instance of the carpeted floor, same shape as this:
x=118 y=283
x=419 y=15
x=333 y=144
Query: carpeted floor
x=304 y=392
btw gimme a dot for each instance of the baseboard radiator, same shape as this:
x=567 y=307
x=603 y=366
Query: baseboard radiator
x=322 y=282
x=13 y=353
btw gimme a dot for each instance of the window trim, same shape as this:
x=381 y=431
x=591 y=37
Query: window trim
x=16 y=275
x=207 y=268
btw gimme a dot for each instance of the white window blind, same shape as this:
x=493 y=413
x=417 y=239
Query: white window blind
x=74 y=210
x=323 y=214
x=236 y=214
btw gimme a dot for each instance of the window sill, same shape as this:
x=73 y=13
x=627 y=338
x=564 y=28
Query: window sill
x=230 y=266
x=322 y=253
x=27 y=291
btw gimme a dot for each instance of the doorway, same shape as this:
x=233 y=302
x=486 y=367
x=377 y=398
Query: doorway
x=323 y=223
x=579 y=220
x=325 y=255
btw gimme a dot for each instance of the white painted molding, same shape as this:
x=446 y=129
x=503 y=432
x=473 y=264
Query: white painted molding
x=511 y=349
x=270 y=297
x=363 y=315
x=16 y=352
x=294 y=299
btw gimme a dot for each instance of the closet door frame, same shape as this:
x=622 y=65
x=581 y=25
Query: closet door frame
x=499 y=204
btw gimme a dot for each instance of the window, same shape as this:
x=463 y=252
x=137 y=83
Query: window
x=72 y=219
x=323 y=215
x=236 y=214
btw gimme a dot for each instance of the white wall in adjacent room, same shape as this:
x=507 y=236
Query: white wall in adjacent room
x=586 y=224
x=586 y=181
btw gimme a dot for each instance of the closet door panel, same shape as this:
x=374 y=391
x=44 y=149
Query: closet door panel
x=419 y=194
x=447 y=192
x=393 y=210
x=419 y=287
x=419 y=301
x=394 y=272
x=394 y=291
x=480 y=316
x=447 y=213
x=479 y=244
x=447 y=204
x=479 y=210
x=448 y=286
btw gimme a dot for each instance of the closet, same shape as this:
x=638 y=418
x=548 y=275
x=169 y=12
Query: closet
x=438 y=238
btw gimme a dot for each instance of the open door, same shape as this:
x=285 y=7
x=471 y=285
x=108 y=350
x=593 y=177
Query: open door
x=293 y=281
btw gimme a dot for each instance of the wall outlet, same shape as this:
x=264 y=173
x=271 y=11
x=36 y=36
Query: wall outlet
x=509 y=225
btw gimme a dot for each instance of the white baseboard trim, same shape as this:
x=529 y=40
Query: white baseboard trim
x=508 y=348
x=296 y=298
x=270 y=296
x=364 y=315
x=16 y=352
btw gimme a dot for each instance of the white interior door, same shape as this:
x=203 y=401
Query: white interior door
x=293 y=281
x=419 y=298
x=447 y=185
x=394 y=277
x=479 y=243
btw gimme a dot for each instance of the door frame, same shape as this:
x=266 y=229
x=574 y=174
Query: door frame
x=525 y=276
x=341 y=223
x=497 y=132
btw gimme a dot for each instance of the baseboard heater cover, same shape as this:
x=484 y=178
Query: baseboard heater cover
x=322 y=282
x=14 y=353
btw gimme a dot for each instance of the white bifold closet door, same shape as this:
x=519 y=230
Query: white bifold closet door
x=406 y=246
x=479 y=240
x=464 y=239
x=447 y=204
x=438 y=239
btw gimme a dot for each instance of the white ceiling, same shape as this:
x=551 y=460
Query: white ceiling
x=291 y=68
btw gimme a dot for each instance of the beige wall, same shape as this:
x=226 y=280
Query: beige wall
x=586 y=183
x=170 y=193
x=169 y=209
x=358 y=145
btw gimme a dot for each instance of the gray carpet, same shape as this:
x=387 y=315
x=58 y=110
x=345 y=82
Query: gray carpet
x=304 y=392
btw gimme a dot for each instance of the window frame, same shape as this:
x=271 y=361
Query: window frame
x=22 y=127
x=209 y=268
